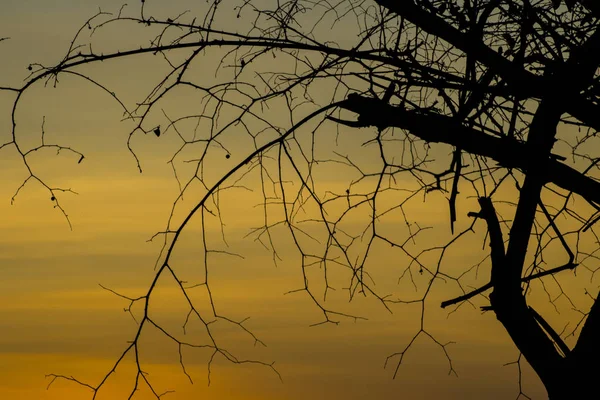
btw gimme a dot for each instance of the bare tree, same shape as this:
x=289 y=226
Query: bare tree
x=477 y=94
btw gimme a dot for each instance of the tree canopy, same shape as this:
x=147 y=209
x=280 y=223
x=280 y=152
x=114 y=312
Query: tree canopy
x=488 y=103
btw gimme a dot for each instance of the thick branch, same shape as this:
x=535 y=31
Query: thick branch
x=510 y=306
x=436 y=128
x=593 y=6
x=496 y=243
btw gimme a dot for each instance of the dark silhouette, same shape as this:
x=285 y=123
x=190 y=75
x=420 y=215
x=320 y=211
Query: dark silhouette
x=498 y=82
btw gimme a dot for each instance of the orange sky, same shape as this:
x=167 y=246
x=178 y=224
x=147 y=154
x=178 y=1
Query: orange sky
x=54 y=317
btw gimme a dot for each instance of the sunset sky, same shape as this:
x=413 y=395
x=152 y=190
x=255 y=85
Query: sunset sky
x=56 y=319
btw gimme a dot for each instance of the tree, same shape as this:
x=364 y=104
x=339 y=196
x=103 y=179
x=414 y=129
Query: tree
x=502 y=85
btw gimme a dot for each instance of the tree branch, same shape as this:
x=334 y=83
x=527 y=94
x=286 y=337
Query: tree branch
x=436 y=128
x=524 y=83
x=509 y=304
x=489 y=285
x=551 y=332
x=497 y=252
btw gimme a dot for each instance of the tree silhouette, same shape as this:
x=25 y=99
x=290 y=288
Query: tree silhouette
x=500 y=84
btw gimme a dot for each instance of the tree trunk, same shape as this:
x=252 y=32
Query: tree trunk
x=573 y=380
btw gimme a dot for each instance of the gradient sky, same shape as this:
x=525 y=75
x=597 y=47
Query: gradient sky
x=55 y=318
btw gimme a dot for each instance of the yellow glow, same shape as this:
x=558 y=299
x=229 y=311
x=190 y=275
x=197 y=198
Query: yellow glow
x=55 y=318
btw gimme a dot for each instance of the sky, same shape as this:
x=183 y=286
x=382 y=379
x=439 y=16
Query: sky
x=55 y=318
